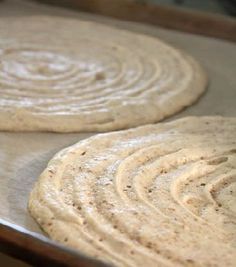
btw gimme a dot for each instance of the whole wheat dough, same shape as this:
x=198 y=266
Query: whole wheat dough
x=67 y=75
x=157 y=195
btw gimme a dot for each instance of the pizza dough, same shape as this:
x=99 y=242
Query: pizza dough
x=67 y=75
x=157 y=195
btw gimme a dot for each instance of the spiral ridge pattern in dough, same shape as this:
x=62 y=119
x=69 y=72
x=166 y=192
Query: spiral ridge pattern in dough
x=68 y=75
x=157 y=195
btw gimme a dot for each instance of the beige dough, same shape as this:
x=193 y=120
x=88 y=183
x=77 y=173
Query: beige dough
x=68 y=75
x=157 y=195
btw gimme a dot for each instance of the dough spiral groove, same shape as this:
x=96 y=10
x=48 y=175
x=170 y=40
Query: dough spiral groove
x=158 y=195
x=68 y=75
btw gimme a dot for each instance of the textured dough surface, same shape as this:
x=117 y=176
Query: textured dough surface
x=68 y=75
x=157 y=195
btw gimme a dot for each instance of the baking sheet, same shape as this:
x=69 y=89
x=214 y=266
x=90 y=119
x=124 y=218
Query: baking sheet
x=23 y=156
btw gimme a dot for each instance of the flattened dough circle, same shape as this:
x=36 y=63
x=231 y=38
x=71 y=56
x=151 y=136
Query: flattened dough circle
x=66 y=75
x=157 y=195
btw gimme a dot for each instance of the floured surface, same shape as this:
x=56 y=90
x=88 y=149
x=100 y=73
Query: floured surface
x=68 y=75
x=156 y=195
x=28 y=154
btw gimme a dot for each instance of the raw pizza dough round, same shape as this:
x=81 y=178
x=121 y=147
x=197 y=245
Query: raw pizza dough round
x=157 y=195
x=67 y=75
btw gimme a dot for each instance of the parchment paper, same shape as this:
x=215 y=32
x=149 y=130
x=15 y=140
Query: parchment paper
x=23 y=156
